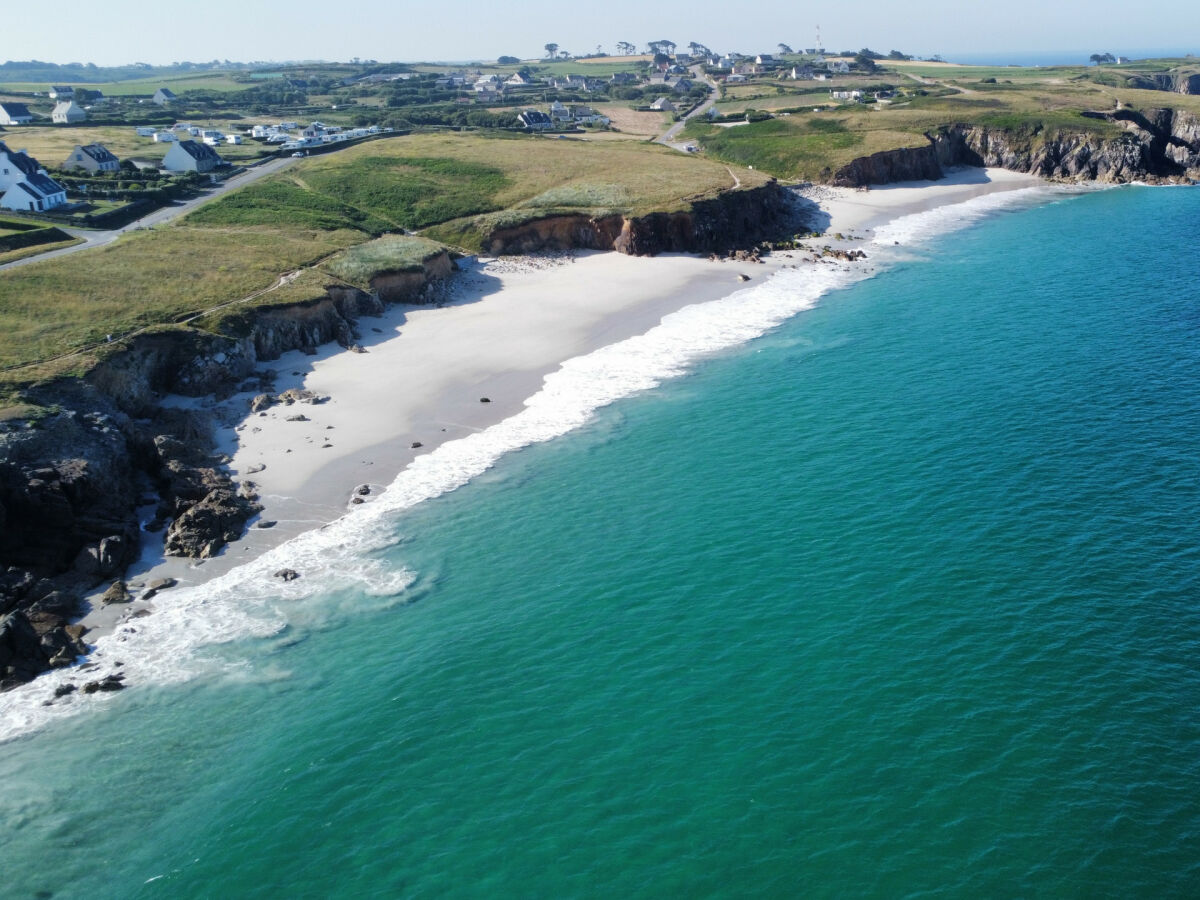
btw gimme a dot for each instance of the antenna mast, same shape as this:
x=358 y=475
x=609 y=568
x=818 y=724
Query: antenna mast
x=820 y=46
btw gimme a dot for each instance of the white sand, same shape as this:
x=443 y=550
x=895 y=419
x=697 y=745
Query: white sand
x=855 y=211
x=509 y=324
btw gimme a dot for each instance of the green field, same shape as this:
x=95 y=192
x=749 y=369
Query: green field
x=216 y=81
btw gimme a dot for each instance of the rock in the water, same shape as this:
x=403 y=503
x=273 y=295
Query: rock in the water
x=357 y=501
x=417 y=445
x=255 y=469
x=111 y=683
x=265 y=523
x=485 y=399
x=363 y=490
x=63 y=689
x=743 y=277
x=287 y=574
x=159 y=584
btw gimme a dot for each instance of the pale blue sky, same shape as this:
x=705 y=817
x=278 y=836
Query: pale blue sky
x=121 y=31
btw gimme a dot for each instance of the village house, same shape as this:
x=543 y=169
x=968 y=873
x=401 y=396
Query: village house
x=735 y=79
x=535 y=120
x=801 y=73
x=682 y=86
x=622 y=78
x=14 y=114
x=838 y=67
x=662 y=104
x=163 y=96
x=518 y=80
x=558 y=112
x=190 y=156
x=764 y=59
x=61 y=92
x=846 y=95
x=488 y=96
x=24 y=184
x=585 y=115
x=92 y=158
x=68 y=113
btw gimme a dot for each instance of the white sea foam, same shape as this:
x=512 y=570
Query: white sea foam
x=177 y=641
x=921 y=227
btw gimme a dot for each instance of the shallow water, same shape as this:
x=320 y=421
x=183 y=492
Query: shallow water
x=897 y=599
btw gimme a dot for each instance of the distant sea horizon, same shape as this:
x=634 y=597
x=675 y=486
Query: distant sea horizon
x=1057 y=57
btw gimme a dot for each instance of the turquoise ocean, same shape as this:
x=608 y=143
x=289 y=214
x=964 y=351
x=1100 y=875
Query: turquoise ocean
x=847 y=586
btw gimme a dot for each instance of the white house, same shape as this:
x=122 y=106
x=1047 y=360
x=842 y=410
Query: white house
x=163 y=96
x=37 y=193
x=535 y=120
x=662 y=104
x=61 y=92
x=839 y=67
x=846 y=95
x=24 y=184
x=68 y=112
x=190 y=156
x=15 y=114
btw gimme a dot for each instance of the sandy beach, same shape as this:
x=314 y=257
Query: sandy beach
x=421 y=382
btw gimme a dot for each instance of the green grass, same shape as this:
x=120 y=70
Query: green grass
x=390 y=253
x=283 y=202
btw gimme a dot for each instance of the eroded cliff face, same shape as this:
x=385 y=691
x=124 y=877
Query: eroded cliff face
x=1161 y=146
x=735 y=220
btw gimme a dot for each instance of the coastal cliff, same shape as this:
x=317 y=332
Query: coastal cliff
x=731 y=221
x=1159 y=146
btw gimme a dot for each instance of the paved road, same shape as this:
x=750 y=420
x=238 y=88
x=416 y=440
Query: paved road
x=159 y=216
x=668 y=137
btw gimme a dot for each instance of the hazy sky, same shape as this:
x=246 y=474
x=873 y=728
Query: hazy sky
x=121 y=31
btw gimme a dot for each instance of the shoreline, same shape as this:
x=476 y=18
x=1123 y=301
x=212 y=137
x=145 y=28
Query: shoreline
x=508 y=324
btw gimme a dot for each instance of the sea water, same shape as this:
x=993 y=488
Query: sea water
x=867 y=587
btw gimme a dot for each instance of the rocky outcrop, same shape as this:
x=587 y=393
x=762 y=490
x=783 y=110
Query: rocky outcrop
x=1174 y=81
x=415 y=286
x=1161 y=145
x=736 y=219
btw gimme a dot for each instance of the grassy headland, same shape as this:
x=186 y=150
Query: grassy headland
x=450 y=186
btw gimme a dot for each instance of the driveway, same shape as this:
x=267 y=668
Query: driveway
x=668 y=137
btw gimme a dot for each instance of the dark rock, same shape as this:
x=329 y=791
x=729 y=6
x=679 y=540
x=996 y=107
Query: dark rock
x=485 y=399
x=117 y=592
x=207 y=526
x=298 y=418
x=261 y=402
x=287 y=574
x=363 y=490
x=265 y=523
x=158 y=585
x=357 y=501
x=63 y=689
x=416 y=445
x=111 y=683
x=22 y=657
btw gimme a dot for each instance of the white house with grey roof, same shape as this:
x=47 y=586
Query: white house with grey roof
x=68 y=112
x=24 y=184
x=163 y=96
x=191 y=156
x=92 y=158
x=15 y=114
